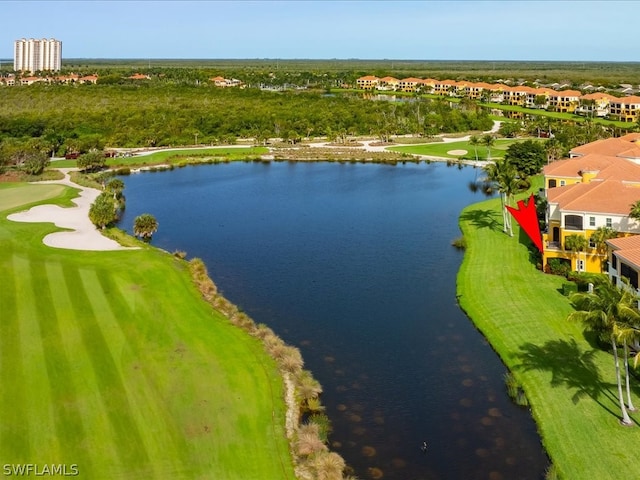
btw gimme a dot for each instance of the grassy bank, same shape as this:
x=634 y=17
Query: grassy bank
x=113 y=362
x=570 y=383
x=439 y=149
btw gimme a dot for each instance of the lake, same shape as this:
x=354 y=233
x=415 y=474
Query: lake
x=353 y=264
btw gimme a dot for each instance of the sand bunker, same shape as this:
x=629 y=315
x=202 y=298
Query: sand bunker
x=83 y=234
x=457 y=152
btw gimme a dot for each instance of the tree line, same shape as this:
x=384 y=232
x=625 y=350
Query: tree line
x=58 y=119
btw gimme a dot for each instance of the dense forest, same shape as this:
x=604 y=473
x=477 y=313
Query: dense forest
x=178 y=105
x=63 y=119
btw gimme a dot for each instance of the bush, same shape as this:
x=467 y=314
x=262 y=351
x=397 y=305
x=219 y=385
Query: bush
x=460 y=243
x=558 y=266
x=569 y=288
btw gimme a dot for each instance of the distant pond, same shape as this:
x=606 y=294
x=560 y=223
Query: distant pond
x=353 y=264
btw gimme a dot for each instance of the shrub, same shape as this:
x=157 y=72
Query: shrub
x=515 y=391
x=569 y=288
x=460 y=243
x=558 y=266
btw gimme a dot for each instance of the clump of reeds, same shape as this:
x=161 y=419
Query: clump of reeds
x=460 y=243
x=515 y=391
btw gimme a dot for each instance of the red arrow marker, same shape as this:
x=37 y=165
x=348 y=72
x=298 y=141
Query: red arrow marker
x=527 y=218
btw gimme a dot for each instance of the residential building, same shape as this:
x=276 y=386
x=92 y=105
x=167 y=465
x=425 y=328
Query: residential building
x=388 y=83
x=368 y=82
x=565 y=101
x=624 y=259
x=37 y=55
x=593 y=188
x=595 y=104
x=409 y=84
x=626 y=109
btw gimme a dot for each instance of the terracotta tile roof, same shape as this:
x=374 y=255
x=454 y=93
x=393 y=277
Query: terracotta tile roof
x=567 y=93
x=627 y=249
x=388 y=79
x=605 y=197
x=631 y=137
x=606 y=168
x=367 y=78
x=629 y=100
x=411 y=80
x=599 y=96
x=609 y=146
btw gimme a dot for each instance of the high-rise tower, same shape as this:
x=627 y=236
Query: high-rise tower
x=37 y=55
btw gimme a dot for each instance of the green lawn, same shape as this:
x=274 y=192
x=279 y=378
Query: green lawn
x=439 y=149
x=172 y=156
x=111 y=361
x=570 y=384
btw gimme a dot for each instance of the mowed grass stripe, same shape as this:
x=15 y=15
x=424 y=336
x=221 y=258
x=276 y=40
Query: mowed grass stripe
x=98 y=451
x=14 y=422
x=63 y=420
x=127 y=438
x=32 y=286
x=164 y=439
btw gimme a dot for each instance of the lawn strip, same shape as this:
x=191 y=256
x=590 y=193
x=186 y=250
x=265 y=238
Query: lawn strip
x=162 y=437
x=570 y=384
x=127 y=437
x=14 y=426
x=98 y=451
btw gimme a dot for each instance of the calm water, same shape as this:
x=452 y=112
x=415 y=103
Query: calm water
x=353 y=264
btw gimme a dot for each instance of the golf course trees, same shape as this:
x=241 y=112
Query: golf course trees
x=488 y=140
x=144 y=226
x=526 y=157
x=91 y=161
x=601 y=312
x=502 y=174
x=103 y=211
x=474 y=141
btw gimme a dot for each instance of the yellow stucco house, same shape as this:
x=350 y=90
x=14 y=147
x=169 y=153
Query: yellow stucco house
x=588 y=191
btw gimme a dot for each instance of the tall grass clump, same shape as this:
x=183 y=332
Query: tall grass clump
x=515 y=391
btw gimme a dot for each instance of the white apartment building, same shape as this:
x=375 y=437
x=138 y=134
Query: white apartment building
x=37 y=55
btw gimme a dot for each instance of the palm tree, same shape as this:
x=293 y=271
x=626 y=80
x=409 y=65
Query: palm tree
x=599 y=238
x=635 y=211
x=488 y=141
x=144 y=226
x=474 y=141
x=576 y=244
x=601 y=310
x=505 y=177
x=627 y=332
x=115 y=186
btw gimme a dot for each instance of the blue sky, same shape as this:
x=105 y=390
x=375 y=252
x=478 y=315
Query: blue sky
x=419 y=30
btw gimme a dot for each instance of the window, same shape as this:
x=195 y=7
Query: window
x=630 y=273
x=608 y=223
x=581 y=265
x=552 y=183
x=592 y=243
x=573 y=222
x=562 y=183
x=614 y=262
x=592 y=221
